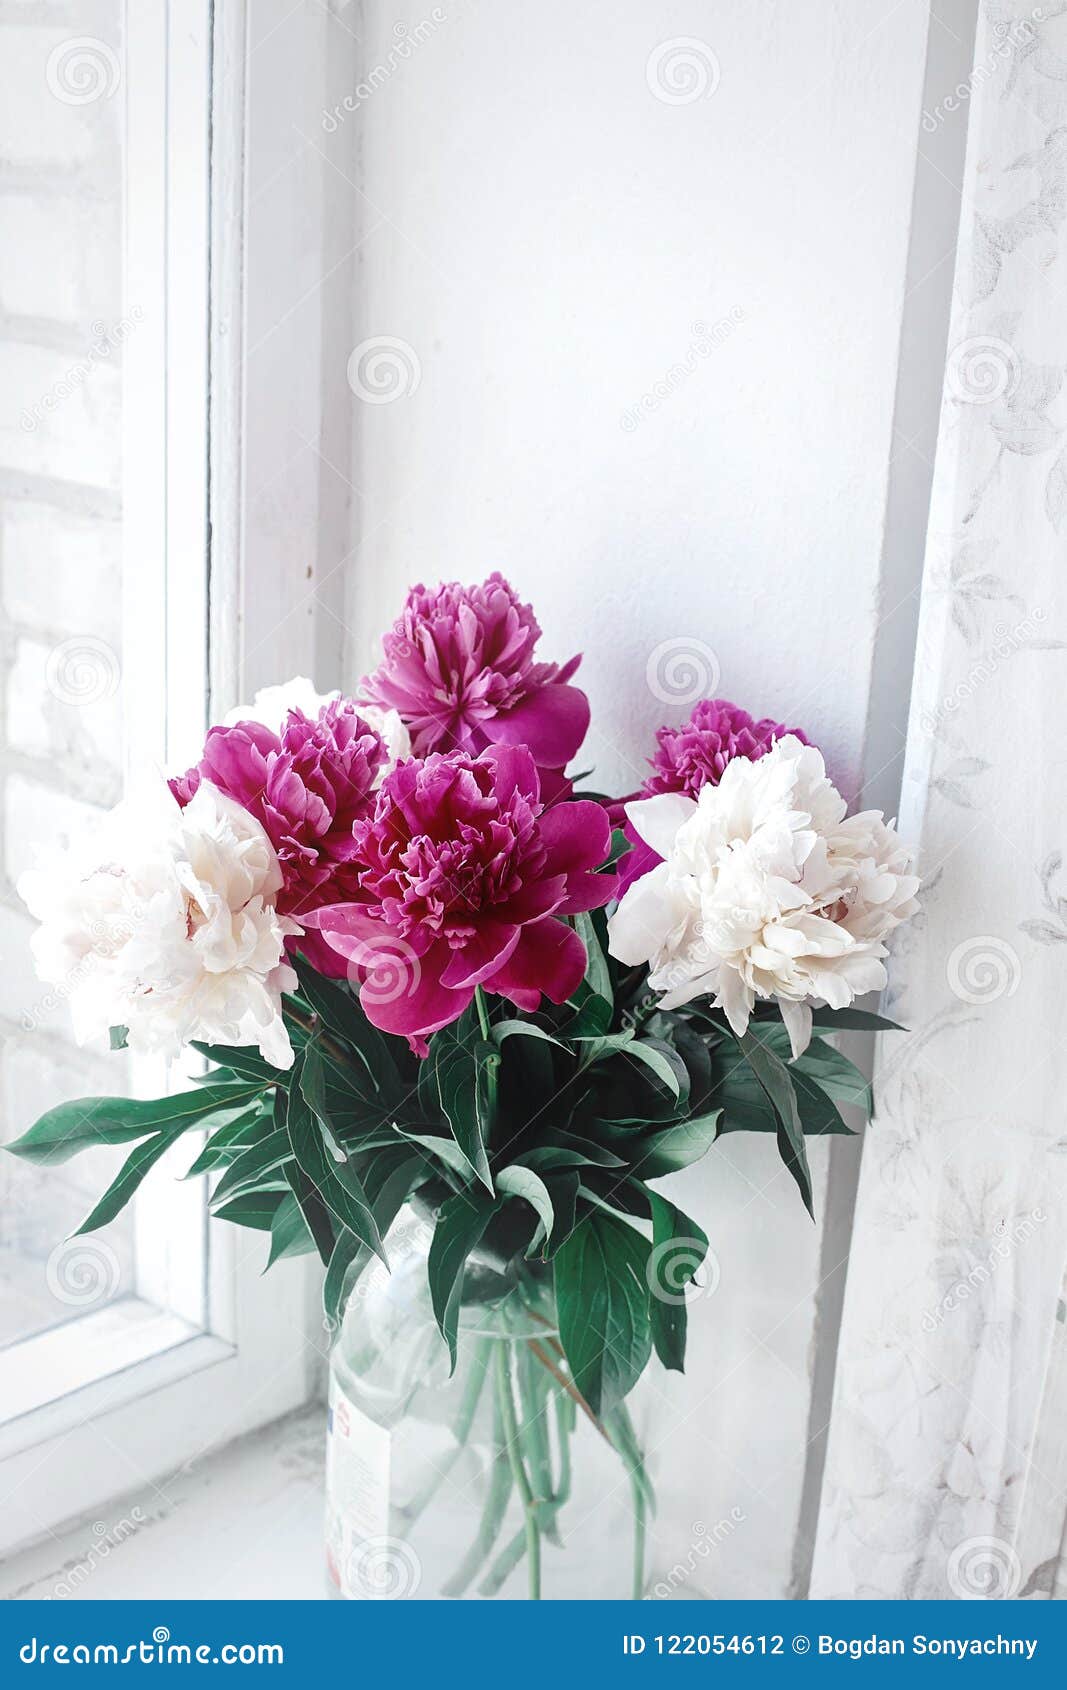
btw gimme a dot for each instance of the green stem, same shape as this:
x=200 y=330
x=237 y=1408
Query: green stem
x=565 y=1423
x=639 y=1537
x=483 y=1012
x=565 y=1384
x=492 y=1058
x=624 y=1438
x=312 y=1025
x=518 y=1470
x=534 y=1386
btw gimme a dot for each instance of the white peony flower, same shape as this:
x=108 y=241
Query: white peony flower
x=163 y=921
x=393 y=732
x=767 y=890
x=271 y=705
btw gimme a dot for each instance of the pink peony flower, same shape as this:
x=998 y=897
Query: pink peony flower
x=694 y=756
x=307 y=786
x=459 y=669
x=465 y=877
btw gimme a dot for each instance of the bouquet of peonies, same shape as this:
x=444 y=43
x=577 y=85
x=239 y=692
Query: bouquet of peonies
x=384 y=921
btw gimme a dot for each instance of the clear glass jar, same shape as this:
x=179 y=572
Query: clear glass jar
x=494 y=1482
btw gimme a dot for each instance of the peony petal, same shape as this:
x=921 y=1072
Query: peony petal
x=699 y=985
x=552 y=721
x=555 y=787
x=516 y=771
x=321 y=955
x=274 y=1044
x=577 y=836
x=486 y=951
x=657 y=820
x=537 y=898
x=549 y=958
x=589 y=892
x=636 y=861
x=735 y=999
x=337 y=922
x=567 y=669
x=265 y=739
x=797 y=1018
x=643 y=919
x=422 y=1008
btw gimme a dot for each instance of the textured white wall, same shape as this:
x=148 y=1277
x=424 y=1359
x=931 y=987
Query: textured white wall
x=544 y=233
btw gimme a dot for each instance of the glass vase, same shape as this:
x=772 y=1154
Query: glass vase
x=495 y=1480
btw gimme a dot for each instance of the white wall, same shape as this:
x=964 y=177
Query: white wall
x=544 y=233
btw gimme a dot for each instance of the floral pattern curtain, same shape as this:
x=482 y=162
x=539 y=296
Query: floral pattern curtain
x=946 y=1472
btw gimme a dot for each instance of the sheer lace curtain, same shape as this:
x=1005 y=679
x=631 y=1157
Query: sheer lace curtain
x=946 y=1472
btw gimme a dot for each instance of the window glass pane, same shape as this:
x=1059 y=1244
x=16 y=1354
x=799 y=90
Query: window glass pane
x=64 y=330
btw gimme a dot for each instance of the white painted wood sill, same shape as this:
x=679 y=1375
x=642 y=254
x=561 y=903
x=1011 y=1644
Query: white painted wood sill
x=244 y=1522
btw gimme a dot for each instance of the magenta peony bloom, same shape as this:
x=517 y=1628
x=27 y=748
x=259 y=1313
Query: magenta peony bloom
x=695 y=755
x=307 y=787
x=459 y=669
x=465 y=874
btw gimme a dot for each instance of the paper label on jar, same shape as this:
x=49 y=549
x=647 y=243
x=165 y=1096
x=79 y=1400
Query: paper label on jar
x=364 y=1561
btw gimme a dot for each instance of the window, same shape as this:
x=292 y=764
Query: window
x=106 y=506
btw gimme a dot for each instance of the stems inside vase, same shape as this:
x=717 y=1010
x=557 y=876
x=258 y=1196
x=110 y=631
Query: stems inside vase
x=639 y=1538
x=518 y=1468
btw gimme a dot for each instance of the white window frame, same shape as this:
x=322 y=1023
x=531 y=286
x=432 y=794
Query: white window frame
x=228 y=1350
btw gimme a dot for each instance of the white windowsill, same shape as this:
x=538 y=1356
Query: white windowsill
x=79 y=1353
x=246 y=1522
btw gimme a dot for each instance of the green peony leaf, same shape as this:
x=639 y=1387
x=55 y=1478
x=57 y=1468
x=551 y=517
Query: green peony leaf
x=461 y=1222
x=618 y=848
x=819 y=1114
x=510 y=1029
x=657 y=1153
x=225 y=1145
x=836 y=1075
x=246 y=1062
x=389 y=1175
x=341 y=1014
x=89 y=1121
x=289 y=1235
x=821 y=1073
x=344 y=1253
x=130 y=1175
x=854 y=1021
x=774 y=1077
x=445 y=1149
x=333 y=1178
x=594 y=1047
x=463 y=1068
x=257 y=1210
x=678 y=1248
x=665 y=1063
x=581 y=1150
x=320 y=1222
x=563 y=1189
x=519 y=1181
x=548 y=1157
x=602 y=1300
x=641 y=1082
x=594 y=1000
x=694 y=1052
x=253 y=1165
